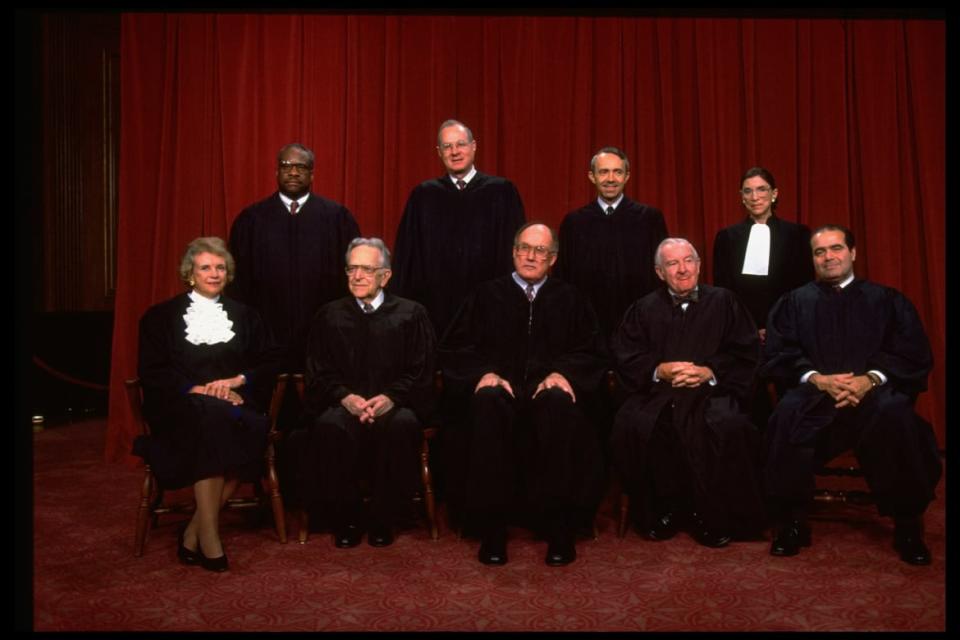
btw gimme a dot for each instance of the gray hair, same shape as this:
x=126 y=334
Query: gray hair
x=614 y=151
x=210 y=244
x=453 y=123
x=658 y=260
x=299 y=147
x=376 y=243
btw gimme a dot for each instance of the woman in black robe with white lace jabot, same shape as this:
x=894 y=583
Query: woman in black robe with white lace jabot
x=206 y=365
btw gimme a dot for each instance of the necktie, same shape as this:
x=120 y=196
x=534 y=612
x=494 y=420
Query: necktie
x=461 y=185
x=609 y=211
x=367 y=307
x=294 y=205
x=530 y=292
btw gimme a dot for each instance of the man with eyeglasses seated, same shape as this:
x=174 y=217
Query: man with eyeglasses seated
x=289 y=250
x=455 y=229
x=682 y=446
x=522 y=354
x=369 y=384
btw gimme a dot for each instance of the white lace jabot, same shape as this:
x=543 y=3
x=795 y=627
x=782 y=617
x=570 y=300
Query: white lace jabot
x=207 y=322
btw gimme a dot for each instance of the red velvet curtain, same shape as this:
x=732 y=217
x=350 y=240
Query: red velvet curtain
x=848 y=114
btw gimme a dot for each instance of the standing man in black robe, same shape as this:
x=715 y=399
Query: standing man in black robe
x=521 y=355
x=609 y=244
x=289 y=252
x=854 y=356
x=463 y=221
x=370 y=365
x=683 y=448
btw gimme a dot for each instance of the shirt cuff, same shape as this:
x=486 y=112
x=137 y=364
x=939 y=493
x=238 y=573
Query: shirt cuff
x=883 y=378
x=806 y=377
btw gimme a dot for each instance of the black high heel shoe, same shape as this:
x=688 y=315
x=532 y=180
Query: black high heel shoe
x=185 y=555
x=219 y=565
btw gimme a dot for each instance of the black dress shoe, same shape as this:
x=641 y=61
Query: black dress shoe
x=185 y=555
x=493 y=547
x=561 y=550
x=664 y=528
x=789 y=538
x=380 y=536
x=218 y=565
x=908 y=541
x=347 y=536
x=707 y=535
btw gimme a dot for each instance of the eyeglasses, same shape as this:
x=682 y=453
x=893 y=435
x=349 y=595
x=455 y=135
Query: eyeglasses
x=365 y=269
x=287 y=166
x=762 y=191
x=446 y=147
x=540 y=252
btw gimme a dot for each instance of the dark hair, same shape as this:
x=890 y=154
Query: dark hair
x=754 y=172
x=299 y=147
x=848 y=238
x=554 y=240
x=614 y=151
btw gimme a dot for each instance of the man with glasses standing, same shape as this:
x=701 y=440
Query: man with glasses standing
x=369 y=382
x=522 y=355
x=289 y=250
x=456 y=229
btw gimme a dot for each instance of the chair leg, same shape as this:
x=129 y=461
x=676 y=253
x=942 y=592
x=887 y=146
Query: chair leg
x=428 y=496
x=143 y=512
x=276 y=500
x=303 y=521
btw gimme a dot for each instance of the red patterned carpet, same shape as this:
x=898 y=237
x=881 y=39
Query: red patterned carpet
x=86 y=578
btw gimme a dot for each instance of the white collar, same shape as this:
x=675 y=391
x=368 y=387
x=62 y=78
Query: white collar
x=286 y=201
x=523 y=284
x=376 y=301
x=467 y=178
x=604 y=204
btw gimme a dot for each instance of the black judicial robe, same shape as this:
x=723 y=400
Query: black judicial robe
x=288 y=266
x=610 y=257
x=449 y=241
x=554 y=452
x=790 y=266
x=865 y=326
x=493 y=332
x=720 y=447
x=390 y=351
x=195 y=436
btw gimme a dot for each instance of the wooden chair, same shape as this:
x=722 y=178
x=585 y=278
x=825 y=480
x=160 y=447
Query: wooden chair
x=152 y=504
x=427 y=497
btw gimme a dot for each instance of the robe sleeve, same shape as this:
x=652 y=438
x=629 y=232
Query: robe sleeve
x=784 y=360
x=326 y=385
x=405 y=267
x=905 y=356
x=241 y=247
x=584 y=361
x=155 y=367
x=413 y=387
x=722 y=259
x=461 y=360
x=735 y=362
x=636 y=357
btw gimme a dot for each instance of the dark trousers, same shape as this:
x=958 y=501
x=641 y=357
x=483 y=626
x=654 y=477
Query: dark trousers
x=896 y=449
x=541 y=452
x=703 y=457
x=339 y=455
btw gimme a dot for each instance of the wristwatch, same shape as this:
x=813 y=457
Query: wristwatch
x=874 y=379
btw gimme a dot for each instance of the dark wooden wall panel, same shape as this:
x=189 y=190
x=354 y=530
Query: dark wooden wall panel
x=80 y=141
